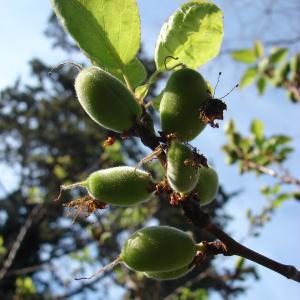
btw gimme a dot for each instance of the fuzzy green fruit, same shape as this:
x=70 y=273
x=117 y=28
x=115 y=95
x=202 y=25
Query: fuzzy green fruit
x=120 y=185
x=207 y=186
x=169 y=275
x=106 y=99
x=185 y=95
x=182 y=176
x=158 y=249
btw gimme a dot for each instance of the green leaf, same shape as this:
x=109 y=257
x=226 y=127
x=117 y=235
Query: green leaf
x=156 y=101
x=248 y=77
x=261 y=84
x=281 y=74
x=2 y=248
x=134 y=71
x=240 y=262
x=107 y=32
x=25 y=287
x=257 y=129
x=281 y=198
x=292 y=96
x=60 y=172
x=193 y=34
x=295 y=66
x=275 y=189
x=259 y=49
x=229 y=128
x=142 y=91
x=296 y=195
x=265 y=190
x=283 y=153
x=113 y=153
x=282 y=139
x=278 y=55
x=247 y=56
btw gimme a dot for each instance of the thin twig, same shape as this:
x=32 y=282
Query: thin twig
x=21 y=235
x=232 y=247
x=287 y=179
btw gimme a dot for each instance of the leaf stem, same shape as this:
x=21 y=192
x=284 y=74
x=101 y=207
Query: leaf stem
x=127 y=82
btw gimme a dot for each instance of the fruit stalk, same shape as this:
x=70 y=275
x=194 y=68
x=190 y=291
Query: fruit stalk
x=199 y=218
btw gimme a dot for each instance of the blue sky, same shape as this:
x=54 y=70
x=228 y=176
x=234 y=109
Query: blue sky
x=21 y=30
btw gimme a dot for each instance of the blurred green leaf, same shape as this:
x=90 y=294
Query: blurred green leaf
x=25 y=287
x=105 y=236
x=292 y=96
x=281 y=198
x=275 y=189
x=2 y=248
x=248 y=77
x=83 y=255
x=281 y=74
x=60 y=172
x=108 y=32
x=247 y=56
x=113 y=153
x=257 y=129
x=265 y=190
x=297 y=195
x=240 y=262
x=187 y=294
x=283 y=153
x=35 y=195
x=261 y=85
x=263 y=65
x=281 y=139
x=295 y=66
x=193 y=34
x=278 y=55
x=229 y=128
x=259 y=49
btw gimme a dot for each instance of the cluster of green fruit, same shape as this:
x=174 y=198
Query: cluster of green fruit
x=161 y=252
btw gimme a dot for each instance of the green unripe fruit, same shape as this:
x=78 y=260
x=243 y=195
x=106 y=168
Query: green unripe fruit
x=158 y=249
x=185 y=94
x=106 y=99
x=119 y=185
x=182 y=175
x=169 y=275
x=207 y=186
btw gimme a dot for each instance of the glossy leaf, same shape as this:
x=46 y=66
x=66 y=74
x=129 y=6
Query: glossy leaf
x=108 y=32
x=193 y=34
